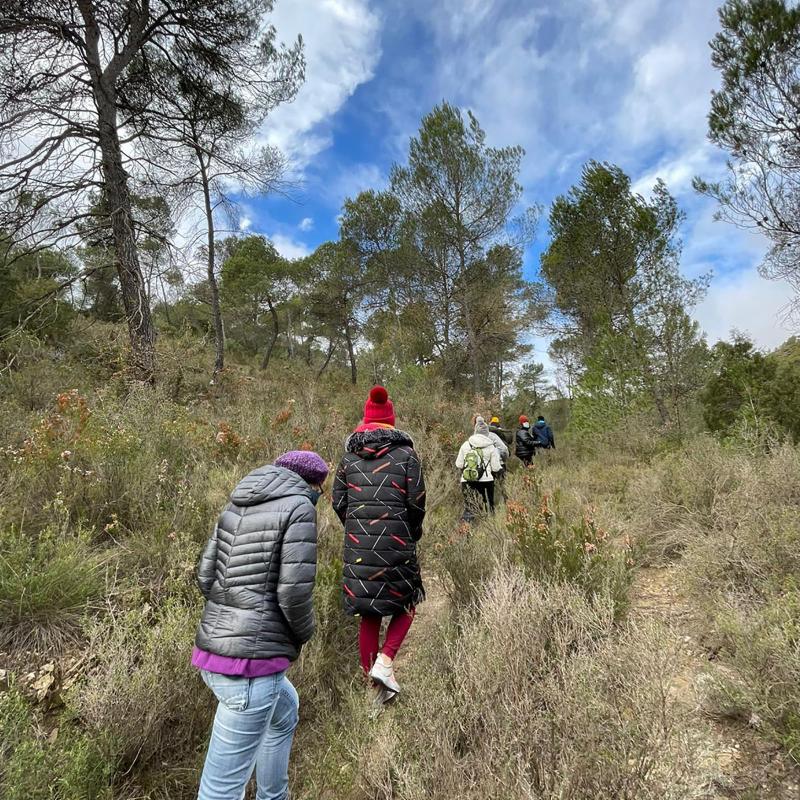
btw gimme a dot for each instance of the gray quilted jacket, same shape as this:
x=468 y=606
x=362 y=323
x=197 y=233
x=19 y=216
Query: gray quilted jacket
x=257 y=571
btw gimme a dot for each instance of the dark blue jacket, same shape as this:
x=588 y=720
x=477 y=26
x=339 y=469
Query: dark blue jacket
x=541 y=431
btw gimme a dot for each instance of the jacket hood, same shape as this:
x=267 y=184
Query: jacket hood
x=268 y=483
x=369 y=444
x=479 y=440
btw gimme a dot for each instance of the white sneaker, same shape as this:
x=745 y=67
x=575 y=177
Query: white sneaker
x=383 y=674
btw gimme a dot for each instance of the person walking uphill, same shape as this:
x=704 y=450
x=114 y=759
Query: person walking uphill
x=525 y=442
x=257 y=575
x=379 y=495
x=544 y=434
x=479 y=462
x=496 y=428
x=498 y=437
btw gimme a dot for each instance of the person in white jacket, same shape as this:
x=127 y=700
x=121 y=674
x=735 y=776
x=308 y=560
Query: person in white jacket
x=479 y=461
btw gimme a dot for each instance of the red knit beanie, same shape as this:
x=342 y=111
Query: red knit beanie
x=378 y=408
x=523 y=419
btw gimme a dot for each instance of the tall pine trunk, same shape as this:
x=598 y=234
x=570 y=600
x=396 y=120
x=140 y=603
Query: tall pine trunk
x=115 y=191
x=275 y=333
x=351 y=354
x=117 y=202
x=211 y=269
x=331 y=348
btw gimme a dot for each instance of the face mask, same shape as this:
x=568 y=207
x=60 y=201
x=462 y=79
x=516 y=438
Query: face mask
x=315 y=496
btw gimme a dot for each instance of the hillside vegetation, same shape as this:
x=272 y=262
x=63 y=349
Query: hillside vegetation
x=532 y=672
x=626 y=626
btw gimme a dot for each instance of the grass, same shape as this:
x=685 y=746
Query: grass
x=526 y=696
x=52 y=763
x=531 y=682
x=48 y=582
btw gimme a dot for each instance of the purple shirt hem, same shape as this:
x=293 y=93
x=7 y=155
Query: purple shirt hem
x=238 y=667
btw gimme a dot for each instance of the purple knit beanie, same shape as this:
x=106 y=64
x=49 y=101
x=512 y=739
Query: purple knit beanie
x=310 y=466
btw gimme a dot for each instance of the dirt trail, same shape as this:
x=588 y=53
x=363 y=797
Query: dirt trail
x=428 y=613
x=743 y=764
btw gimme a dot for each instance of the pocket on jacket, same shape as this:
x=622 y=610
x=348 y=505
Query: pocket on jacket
x=232 y=692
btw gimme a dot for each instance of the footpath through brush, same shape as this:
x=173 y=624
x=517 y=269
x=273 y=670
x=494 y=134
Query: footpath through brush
x=743 y=763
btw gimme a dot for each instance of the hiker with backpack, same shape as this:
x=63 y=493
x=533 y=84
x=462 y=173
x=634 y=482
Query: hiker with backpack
x=379 y=495
x=543 y=434
x=525 y=447
x=257 y=577
x=479 y=462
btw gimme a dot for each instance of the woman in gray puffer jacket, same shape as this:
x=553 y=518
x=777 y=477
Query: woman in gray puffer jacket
x=257 y=576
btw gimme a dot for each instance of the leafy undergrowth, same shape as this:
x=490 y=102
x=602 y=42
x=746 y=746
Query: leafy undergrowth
x=731 y=512
x=528 y=682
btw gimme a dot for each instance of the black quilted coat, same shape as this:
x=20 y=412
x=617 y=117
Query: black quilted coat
x=379 y=494
x=525 y=443
x=257 y=571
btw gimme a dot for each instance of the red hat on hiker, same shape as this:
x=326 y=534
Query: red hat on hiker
x=523 y=419
x=378 y=409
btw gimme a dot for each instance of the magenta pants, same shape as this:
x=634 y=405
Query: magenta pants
x=369 y=636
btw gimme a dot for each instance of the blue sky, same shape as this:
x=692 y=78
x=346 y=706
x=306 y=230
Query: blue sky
x=627 y=81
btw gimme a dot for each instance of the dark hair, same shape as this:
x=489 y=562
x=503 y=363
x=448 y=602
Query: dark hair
x=541 y=417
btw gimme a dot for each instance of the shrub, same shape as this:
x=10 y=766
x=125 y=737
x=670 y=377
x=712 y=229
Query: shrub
x=552 y=546
x=47 y=583
x=35 y=764
x=533 y=696
x=684 y=495
x=142 y=697
x=469 y=558
x=733 y=513
x=328 y=662
x=761 y=647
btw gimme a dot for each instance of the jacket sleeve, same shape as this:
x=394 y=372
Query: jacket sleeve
x=415 y=500
x=297 y=571
x=207 y=566
x=461 y=455
x=340 y=493
x=500 y=445
x=496 y=465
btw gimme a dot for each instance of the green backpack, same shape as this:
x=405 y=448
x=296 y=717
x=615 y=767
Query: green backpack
x=474 y=465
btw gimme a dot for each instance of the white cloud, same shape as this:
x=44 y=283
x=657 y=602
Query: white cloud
x=349 y=181
x=306 y=224
x=288 y=247
x=677 y=171
x=746 y=302
x=342 y=48
x=245 y=223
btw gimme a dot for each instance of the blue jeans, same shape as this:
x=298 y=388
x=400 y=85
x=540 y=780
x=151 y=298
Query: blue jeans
x=253 y=729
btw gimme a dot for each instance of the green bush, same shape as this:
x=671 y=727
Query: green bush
x=141 y=697
x=47 y=584
x=553 y=546
x=35 y=764
x=752 y=390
